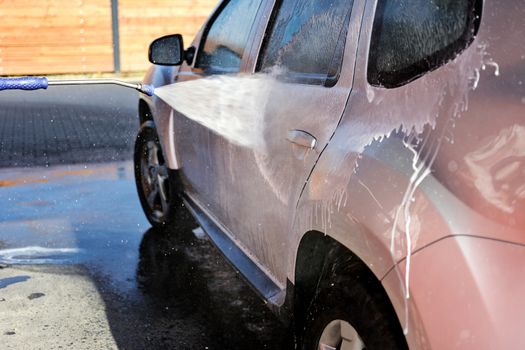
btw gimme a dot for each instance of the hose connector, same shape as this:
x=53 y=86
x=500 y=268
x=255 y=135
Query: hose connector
x=146 y=89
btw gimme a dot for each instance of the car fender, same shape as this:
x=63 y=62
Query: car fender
x=161 y=112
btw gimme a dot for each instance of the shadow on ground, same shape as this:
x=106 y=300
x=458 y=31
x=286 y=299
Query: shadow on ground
x=190 y=299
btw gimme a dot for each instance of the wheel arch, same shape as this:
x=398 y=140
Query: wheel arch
x=316 y=253
x=144 y=112
x=162 y=121
x=319 y=256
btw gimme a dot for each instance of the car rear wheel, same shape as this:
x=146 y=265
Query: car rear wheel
x=350 y=314
x=158 y=197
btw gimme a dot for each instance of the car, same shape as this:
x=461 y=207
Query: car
x=360 y=163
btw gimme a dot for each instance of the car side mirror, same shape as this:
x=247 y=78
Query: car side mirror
x=167 y=50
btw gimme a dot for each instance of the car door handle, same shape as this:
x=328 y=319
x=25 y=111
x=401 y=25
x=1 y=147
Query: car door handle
x=302 y=138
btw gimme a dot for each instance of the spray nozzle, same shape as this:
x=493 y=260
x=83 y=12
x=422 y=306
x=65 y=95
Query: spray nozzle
x=146 y=89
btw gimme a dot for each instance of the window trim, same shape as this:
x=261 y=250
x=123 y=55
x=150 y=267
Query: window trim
x=206 y=30
x=316 y=79
x=429 y=63
x=204 y=37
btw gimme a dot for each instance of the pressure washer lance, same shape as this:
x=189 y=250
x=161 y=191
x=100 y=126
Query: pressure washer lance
x=35 y=83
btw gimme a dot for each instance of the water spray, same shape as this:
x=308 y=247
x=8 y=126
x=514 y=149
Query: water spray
x=36 y=83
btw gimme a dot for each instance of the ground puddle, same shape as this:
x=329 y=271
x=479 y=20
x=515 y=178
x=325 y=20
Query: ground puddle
x=37 y=255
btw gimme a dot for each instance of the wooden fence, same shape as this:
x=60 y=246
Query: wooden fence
x=76 y=36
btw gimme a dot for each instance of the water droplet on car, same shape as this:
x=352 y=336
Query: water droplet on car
x=496 y=67
x=452 y=166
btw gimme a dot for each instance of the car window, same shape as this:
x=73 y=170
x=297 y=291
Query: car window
x=225 y=40
x=413 y=37
x=306 y=39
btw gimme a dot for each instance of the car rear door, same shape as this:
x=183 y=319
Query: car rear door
x=302 y=60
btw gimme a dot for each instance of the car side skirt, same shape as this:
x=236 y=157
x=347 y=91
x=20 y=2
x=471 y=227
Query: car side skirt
x=254 y=275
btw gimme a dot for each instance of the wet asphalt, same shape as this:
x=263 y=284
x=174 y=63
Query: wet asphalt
x=80 y=266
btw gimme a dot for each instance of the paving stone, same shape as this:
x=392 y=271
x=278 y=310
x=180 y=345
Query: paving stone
x=53 y=127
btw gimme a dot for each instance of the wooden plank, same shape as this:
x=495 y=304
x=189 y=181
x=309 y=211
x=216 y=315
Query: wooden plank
x=55 y=36
x=65 y=36
x=140 y=24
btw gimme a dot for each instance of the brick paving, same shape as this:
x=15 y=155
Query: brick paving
x=66 y=125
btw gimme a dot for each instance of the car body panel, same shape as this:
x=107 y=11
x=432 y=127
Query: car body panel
x=464 y=294
x=469 y=118
x=232 y=181
x=369 y=151
x=433 y=168
x=162 y=113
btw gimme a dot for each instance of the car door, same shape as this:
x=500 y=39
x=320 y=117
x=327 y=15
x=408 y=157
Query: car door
x=249 y=181
x=220 y=46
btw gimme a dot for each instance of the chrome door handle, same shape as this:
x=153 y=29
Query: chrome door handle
x=302 y=138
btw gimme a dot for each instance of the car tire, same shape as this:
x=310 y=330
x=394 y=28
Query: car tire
x=354 y=310
x=157 y=190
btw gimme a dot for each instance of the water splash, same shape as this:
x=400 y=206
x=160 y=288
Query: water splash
x=230 y=105
x=476 y=78
x=421 y=169
x=495 y=65
x=422 y=166
x=378 y=115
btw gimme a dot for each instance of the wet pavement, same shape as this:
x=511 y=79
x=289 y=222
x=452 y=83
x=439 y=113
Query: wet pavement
x=75 y=246
x=65 y=125
x=80 y=266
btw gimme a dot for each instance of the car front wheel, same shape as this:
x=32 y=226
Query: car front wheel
x=158 y=197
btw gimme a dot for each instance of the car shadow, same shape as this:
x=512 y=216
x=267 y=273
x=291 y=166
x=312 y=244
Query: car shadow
x=188 y=297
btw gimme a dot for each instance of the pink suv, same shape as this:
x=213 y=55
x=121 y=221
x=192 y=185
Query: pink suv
x=361 y=163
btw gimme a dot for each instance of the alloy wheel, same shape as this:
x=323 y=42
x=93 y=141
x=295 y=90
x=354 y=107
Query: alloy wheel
x=340 y=335
x=155 y=181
